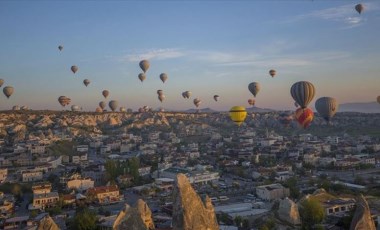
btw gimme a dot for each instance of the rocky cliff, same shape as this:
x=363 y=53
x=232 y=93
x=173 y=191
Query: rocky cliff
x=189 y=211
x=288 y=211
x=362 y=218
x=138 y=217
x=47 y=223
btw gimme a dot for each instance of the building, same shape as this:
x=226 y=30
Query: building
x=198 y=176
x=30 y=176
x=104 y=194
x=44 y=200
x=80 y=184
x=272 y=192
x=41 y=188
x=338 y=206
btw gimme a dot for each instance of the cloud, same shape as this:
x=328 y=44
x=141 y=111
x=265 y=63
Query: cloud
x=342 y=14
x=158 y=54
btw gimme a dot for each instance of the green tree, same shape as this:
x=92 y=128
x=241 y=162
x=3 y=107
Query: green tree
x=291 y=183
x=134 y=165
x=84 y=220
x=311 y=212
x=111 y=167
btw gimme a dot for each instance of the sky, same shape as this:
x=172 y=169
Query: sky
x=207 y=47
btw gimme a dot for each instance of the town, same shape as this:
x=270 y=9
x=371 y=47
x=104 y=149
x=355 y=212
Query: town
x=65 y=169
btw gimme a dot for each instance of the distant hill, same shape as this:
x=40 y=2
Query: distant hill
x=363 y=107
x=205 y=110
x=259 y=110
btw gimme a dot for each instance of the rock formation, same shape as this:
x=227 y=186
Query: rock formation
x=189 y=211
x=47 y=223
x=288 y=211
x=135 y=218
x=362 y=218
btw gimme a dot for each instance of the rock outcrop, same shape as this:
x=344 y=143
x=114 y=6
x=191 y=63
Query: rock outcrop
x=362 y=218
x=189 y=211
x=136 y=218
x=288 y=211
x=47 y=223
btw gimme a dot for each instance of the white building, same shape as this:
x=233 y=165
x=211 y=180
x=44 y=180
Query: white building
x=272 y=192
x=30 y=176
x=80 y=184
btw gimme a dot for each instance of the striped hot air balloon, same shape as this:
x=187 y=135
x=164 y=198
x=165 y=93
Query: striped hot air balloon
x=304 y=117
x=238 y=114
x=326 y=107
x=303 y=93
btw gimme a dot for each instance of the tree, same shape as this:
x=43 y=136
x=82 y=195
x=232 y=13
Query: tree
x=84 y=220
x=291 y=183
x=311 y=212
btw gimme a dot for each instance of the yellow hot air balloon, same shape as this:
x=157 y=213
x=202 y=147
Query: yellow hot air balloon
x=238 y=114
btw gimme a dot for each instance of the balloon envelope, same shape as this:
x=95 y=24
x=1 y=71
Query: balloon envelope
x=188 y=94
x=163 y=77
x=160 y=92
x=105 y=93
x=74 y=68
x=197 y=102
x=60 y=48
x=161 y=97
x=86 y=82
x=254 y=88
x=272 y=72
x=326 y=107
x=113 y=105
x=216 y=97
x=75 y=108
x=123 y=109
x=1 y=82
x=304 y=117
x=142 y=76
x=8 y=91
x=16 y=107
x=144 y=65
x=303 y=93
x=98 y=110
x=359 y=8
x=251 y=101
x=238 y=114
x=102 y=104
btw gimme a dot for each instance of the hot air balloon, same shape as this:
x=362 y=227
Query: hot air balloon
x=285 y=119
x=24 y=108
x=238 y=114
x=378 y=99
x=326 y=107
x=63 y=100
x=105 y=93
x=183 y=95
x=303 y=93
x=161 y=97
x=75 y=108
x=129 y=110
x=142 y=76
x=359 y=8
x=160 y=92
x=197 y=102
x=188 y=94
x=163 y=77
x=8 y=91
x=16 y=107
x=113 y=105
x=123 y=109
x=304 y=117
x=98 y=110
x=251 y=101
x=74 y=68
x=216 y=97
x=272 y=72
x=102 y=104
x=86 y=82
x=144 y=65
x=1 y=82
x=254 y=88
x=60 y=48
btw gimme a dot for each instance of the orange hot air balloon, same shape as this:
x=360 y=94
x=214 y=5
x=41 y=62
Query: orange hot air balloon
x=304 y=117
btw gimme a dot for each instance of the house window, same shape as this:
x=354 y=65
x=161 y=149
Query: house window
x=330 y=210
x=343 y=208
x=336 y=209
